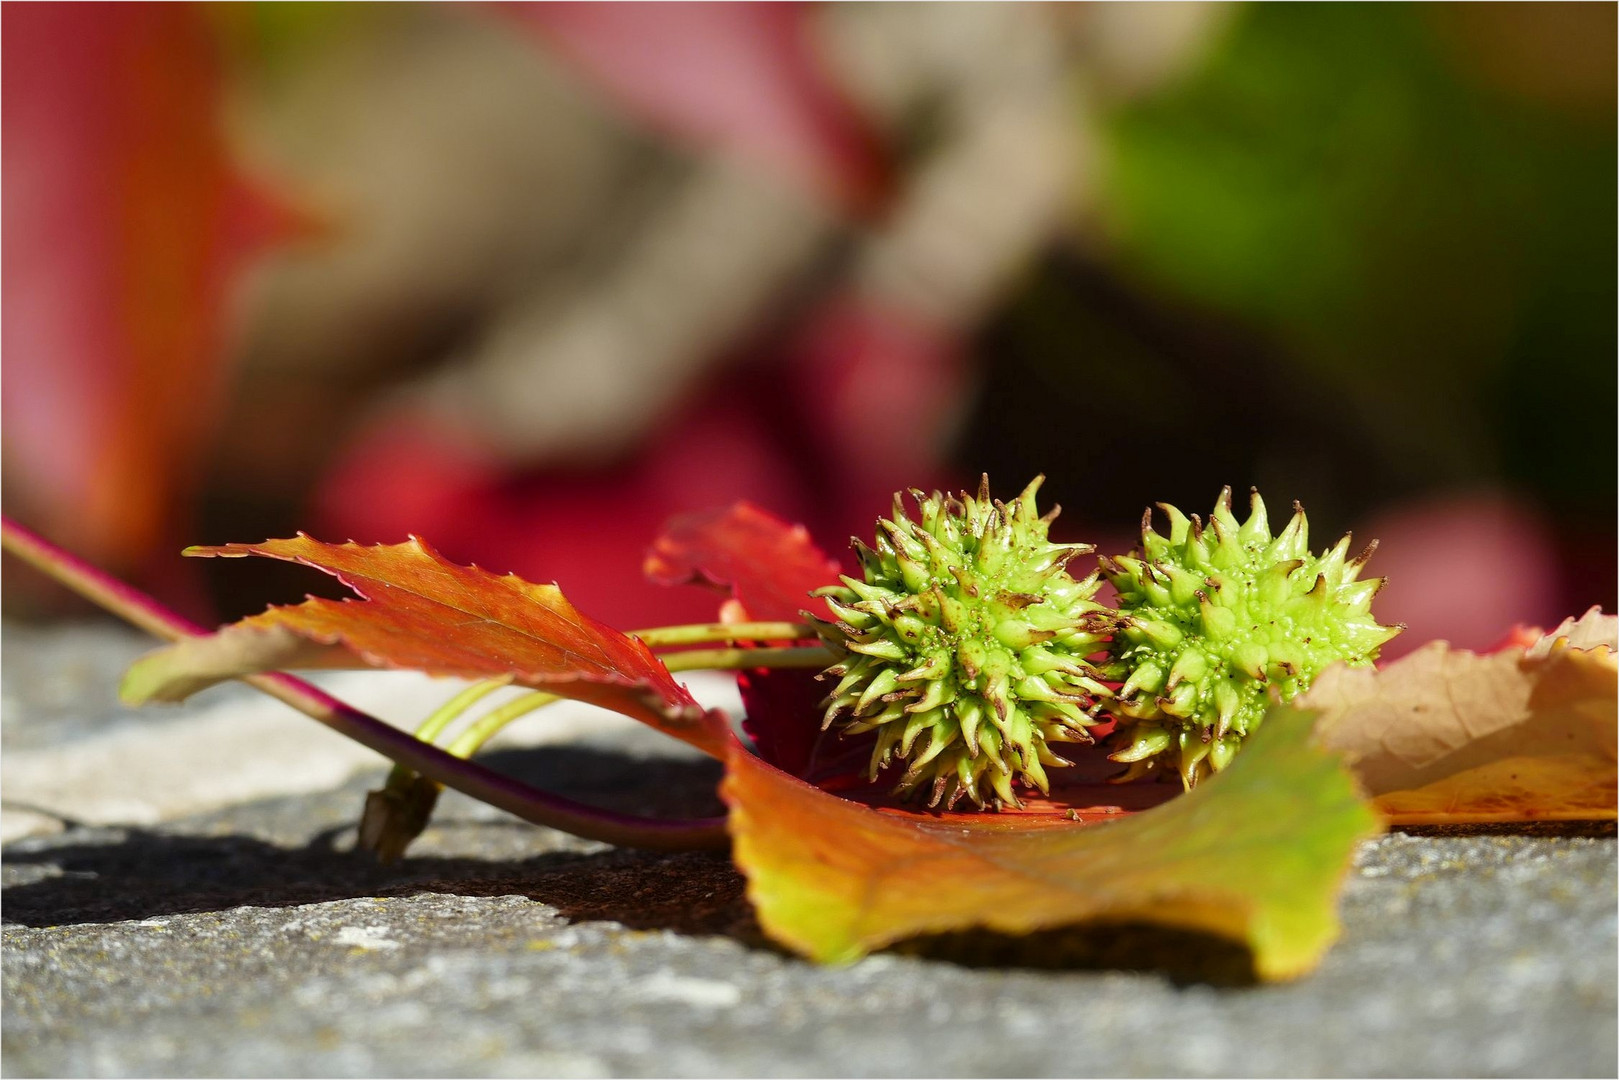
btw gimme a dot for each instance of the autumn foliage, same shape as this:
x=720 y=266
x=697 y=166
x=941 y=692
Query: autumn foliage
x=1255 y=854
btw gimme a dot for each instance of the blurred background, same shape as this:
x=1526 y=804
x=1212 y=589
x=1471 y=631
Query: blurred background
x=528 y=279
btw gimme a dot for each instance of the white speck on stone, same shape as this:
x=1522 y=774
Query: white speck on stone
x=665 y=985
x=365 y=937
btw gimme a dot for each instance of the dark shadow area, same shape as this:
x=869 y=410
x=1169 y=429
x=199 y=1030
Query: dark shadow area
x=137 y=873
x=209 y=862
x=1514 y=828
x=1184 y=957
x=626 y=782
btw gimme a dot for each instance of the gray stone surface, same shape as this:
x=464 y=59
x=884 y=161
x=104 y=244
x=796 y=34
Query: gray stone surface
x=248 y=940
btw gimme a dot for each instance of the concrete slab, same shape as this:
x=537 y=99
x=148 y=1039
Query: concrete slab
x=244 y=938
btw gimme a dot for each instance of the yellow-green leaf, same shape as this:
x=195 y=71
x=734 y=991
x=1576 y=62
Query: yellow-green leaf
x=1256 y=854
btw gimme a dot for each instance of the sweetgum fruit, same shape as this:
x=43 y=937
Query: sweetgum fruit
x=1218 y=622
x=963 y=644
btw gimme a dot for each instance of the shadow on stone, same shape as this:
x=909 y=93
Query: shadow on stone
x=1182 y=956
x=115 y=875
x=224 y=859
x=650 y=785
x=1513 y=828
x=137 y=874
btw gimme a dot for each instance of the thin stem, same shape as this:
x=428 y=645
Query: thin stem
x=484 y=728
x=95 y=585
x=430 y=729
x=442 y=717
x=809 y=656
x=703 y=633
x=404 y=749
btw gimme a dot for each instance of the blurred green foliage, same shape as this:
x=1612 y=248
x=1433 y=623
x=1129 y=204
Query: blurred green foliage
x=1436 y=250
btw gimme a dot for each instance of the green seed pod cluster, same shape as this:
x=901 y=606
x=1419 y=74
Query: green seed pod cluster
x=1216 y=622
x=963 y=646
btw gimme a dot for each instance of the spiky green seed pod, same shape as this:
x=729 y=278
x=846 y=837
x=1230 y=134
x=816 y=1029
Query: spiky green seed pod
x=963 y=646
x=1217 y=622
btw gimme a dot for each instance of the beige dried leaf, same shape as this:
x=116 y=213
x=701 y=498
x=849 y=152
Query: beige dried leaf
x=1446 y=735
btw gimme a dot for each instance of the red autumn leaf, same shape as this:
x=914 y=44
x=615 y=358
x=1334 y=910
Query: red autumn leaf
x=422 y=612
x=1256 y=853
x=770 y=568
x=125 y=229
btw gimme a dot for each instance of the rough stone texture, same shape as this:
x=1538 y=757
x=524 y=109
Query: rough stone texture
x=246 y=939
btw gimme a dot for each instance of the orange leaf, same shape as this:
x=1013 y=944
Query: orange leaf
x=1255 y=854
x=1450 y=736
x=422 y=612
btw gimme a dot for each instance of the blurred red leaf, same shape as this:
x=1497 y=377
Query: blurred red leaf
x=1462 y=567
x=886 y=388
x=585 y=529
x=422 y=612
x=742 y=76
x=124 y=229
